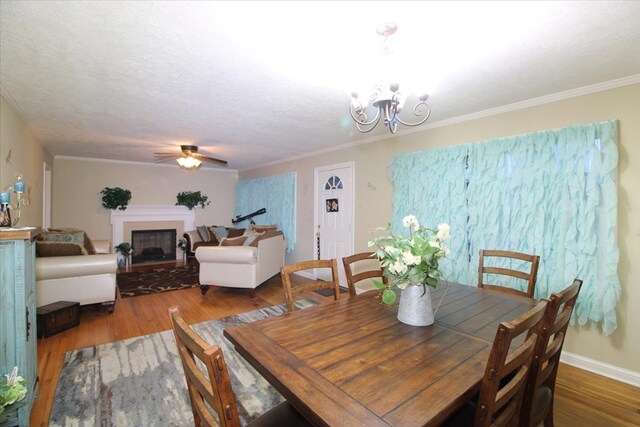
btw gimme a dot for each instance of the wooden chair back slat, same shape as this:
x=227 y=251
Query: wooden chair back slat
x=499 y=400
x=214 y=392
x=351 y=262
x=529 y=277
x=544 y=367
x=291 y=291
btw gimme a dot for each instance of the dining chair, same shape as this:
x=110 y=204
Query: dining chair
x=368 y=266
x=291 y=291
x=212 y=390
x=506 y=374
x=537 y=406
x=529 y=277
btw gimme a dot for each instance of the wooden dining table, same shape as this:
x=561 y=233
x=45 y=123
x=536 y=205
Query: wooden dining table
x=352 y=363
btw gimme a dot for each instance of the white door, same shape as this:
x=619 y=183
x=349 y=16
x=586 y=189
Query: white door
x=334 y=215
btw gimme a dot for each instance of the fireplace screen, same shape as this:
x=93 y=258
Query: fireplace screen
x=153 y=245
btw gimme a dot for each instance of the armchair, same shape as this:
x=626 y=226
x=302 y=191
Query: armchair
x=87 y=279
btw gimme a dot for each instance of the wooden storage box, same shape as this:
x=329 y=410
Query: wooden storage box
x=57 y=317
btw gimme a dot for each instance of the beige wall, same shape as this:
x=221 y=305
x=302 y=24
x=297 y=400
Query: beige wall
x=77 y=183
x=21 y=152
x=373 y=196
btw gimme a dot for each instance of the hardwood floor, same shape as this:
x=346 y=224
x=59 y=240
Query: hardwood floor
x=582 y=398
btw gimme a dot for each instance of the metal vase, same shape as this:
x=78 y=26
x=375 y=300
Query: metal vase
x=415 y=306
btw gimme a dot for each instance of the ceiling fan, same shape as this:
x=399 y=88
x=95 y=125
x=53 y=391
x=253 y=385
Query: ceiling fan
x=190 y=158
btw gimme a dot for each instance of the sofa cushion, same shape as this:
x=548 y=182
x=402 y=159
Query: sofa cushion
x=203 y=232
x=220 y=232
x=265 y=235
x=233 y=241
x=261 y=228
x=251 y=235
x=47 y=249
x=235 y=232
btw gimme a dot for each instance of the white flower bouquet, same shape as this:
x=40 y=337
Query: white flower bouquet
x=411 y=259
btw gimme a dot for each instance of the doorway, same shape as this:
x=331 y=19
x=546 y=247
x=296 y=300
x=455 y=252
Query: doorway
x=334 y=215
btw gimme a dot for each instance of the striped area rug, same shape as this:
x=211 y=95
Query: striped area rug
x=140 y=382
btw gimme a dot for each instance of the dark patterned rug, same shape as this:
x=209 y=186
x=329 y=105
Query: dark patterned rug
x=140 y=381
x=156 y=280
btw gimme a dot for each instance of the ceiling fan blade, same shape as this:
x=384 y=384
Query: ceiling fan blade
x=163 y=159
x=209 y=159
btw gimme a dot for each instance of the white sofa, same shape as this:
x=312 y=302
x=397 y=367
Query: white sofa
x=87 y=279
x=241 y=266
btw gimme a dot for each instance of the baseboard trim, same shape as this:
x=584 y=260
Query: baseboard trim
x=306 y=274
x=610 y=371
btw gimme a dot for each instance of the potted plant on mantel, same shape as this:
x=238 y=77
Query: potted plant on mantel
x=191 y=199
x=115 y=198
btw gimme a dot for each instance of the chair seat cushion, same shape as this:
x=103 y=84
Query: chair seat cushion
x=281 y=415
x=541 y=403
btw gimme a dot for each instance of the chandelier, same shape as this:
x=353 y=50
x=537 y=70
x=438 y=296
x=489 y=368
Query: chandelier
x=386 y=101
x=188 y=162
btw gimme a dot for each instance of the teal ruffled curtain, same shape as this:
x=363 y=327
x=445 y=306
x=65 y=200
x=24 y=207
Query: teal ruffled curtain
x=437 y=176
x=277 y=194
x=550 y=193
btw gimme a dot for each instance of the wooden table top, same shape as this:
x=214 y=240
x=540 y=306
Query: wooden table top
x=352 y=363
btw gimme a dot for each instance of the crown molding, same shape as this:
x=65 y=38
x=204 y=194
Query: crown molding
x=6 y=94
x=533 y=102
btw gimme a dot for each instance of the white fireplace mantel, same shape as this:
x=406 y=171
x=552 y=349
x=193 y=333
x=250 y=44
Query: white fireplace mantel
x=149 y=213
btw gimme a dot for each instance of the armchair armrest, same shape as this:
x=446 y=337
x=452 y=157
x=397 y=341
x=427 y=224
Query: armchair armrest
x=102 y=246
x=77 y=265
x=192 y=237
x=227 y=254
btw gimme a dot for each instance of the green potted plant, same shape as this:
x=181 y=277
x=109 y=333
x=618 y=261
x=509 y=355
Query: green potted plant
x=115 y=198
x=126 y=250
x=191 y=199
x=182 y=245
x=13 y=390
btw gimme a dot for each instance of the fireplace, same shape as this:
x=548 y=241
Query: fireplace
x=153 y=245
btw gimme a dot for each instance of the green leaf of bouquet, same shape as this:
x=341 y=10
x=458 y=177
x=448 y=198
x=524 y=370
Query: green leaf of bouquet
x=378 y=284
x=388 y=296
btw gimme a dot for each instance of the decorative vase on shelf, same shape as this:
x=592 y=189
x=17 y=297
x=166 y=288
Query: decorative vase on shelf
x=415 y=305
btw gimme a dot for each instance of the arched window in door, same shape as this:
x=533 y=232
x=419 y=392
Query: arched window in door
x=333 y=183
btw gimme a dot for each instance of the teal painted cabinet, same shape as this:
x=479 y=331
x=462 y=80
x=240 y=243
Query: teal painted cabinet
x=18 y=336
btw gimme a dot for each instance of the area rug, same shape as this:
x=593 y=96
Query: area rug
x=140 y=381
x=156 y=280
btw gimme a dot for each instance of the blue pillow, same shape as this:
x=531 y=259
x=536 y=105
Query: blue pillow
x=219 y=232
x=203 y=231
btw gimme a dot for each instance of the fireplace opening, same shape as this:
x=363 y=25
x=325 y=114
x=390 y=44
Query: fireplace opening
x=153 y=245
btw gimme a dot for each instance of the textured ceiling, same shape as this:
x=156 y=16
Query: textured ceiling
x=256 y=83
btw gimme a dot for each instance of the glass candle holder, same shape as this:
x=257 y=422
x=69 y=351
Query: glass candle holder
x=5 y=197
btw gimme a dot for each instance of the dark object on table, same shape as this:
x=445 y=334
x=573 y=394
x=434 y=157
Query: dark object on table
x=57 y=317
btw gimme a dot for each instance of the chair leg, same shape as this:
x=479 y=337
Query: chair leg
x=110 y=305
x=252 y=292
x=548 y=418
x=203 y=289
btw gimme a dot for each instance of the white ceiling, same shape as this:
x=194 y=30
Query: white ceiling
x=257 y=83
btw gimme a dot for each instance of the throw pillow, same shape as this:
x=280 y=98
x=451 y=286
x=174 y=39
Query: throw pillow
x=235 y=232
x=233 y=241
x=203 y=232
x=48 y=249
x=61 y=236
x=219 y=232
x=251 y=235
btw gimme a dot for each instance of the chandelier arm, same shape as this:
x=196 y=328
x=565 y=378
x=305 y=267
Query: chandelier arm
x=373 y=123
x=417 y=114
x=364 y=122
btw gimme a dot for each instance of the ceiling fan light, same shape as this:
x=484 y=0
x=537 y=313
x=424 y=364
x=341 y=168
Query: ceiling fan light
x=188 y=162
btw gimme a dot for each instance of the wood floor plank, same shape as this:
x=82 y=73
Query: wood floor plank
x=583 y=398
